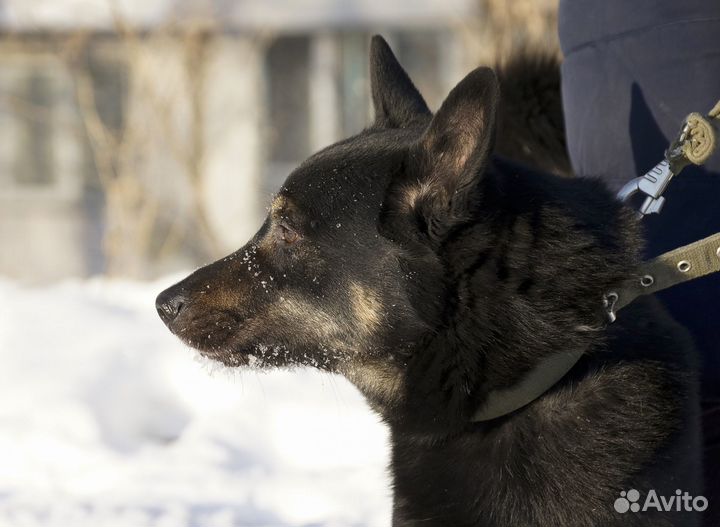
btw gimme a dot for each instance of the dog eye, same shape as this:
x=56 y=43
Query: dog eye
x=288 y=235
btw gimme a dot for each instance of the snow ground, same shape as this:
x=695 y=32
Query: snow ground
x=106 y=420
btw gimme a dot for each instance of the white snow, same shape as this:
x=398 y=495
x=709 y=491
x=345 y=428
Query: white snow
x=106 y=419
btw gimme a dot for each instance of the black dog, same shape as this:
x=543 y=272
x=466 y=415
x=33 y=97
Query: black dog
x=431 y=273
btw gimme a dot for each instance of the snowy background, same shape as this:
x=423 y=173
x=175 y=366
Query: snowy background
x=107 y=420
x=138 y=138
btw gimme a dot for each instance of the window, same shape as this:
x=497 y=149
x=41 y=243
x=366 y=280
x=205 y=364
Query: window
x=40 y=145
x=287 y=130
x=33 y=163
x=288 y=94
x=44 y=149
x=354 y=82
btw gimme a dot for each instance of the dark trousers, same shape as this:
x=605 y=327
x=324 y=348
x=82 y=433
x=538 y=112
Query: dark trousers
x=632 y=71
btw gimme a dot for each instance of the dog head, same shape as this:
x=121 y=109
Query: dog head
x=403 y=258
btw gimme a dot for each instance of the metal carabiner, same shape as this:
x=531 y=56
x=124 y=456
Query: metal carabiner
x=655 y=181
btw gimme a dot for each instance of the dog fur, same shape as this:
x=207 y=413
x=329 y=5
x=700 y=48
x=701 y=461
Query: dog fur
x=429 y=270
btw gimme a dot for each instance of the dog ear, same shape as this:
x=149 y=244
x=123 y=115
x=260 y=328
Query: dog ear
x=448 y=161
x=398 y=104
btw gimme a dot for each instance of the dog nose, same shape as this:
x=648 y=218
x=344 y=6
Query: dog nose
x=169 y=303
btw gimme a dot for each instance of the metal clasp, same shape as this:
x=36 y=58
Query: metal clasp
x=609 y=301
x=656 y=180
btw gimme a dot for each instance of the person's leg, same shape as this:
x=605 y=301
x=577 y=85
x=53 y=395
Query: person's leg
x=632 y=72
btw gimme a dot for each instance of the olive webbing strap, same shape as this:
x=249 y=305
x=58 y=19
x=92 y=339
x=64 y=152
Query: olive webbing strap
x=680 y=265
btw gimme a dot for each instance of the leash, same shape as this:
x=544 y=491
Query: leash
x=680 y=265
x=694 y=144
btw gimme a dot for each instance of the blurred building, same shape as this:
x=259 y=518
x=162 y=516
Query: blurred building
x=137 y=137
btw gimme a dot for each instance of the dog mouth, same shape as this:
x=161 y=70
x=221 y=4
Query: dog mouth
x=224 y=338
x=236 y=349
x=223 y=353
x=261 y=357
x=214 y=334
x=231 y=359
x=217 y=348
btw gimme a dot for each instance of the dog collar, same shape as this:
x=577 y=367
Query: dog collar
x=533 y=385
x=686 y=263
